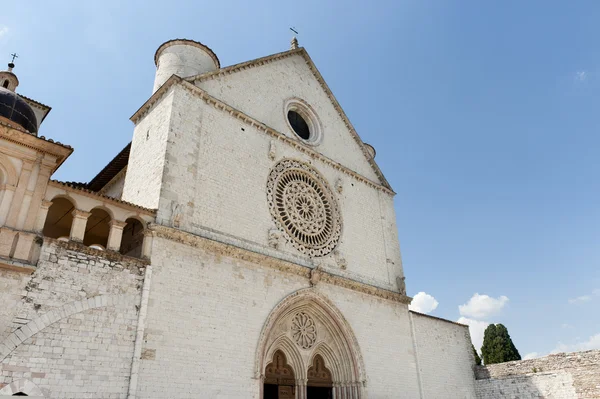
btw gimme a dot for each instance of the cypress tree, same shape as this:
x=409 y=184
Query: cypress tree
x=476 y=356
x=498 y=346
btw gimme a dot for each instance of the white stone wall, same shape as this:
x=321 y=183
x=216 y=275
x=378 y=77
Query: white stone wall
x=556 y=385
x=573 y=375
x=215 y=179
x=12 y=288
x=204 y=318
x=262 y=91
x=206 y=313
x=445 y=358
x=383 y=332
x=73 y=330
x=147 y=156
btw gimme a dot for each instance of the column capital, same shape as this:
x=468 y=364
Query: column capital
x=79 y=214
x=117 y=224
x=46 y=204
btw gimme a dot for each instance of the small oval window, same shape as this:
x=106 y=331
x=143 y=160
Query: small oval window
x=299 y=124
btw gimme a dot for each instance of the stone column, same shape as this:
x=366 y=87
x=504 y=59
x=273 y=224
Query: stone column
x=300 y=388
x=41 y=216
x=17 y=203
x=79 y=223
x=147 y=244
x=38 y=193
x=115 y=235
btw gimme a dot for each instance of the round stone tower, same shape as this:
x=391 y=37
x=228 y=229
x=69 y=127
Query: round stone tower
x=184 y=58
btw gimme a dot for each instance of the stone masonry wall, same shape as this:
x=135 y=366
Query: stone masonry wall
x=215 y=180
x=561 y=376
x=445 y=358
x=207 y=309
x=73 y=327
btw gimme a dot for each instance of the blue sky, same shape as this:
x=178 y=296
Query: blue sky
x=484 y=116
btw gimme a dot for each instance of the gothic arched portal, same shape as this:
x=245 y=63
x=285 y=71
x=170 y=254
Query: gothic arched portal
x=307 y=335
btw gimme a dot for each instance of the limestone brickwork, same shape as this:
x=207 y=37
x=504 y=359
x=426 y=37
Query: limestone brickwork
x=560 y=376
x=445 y=361
x=71 y=332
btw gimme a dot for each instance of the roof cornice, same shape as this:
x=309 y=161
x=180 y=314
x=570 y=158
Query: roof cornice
x=22 y=137
x=102 y=197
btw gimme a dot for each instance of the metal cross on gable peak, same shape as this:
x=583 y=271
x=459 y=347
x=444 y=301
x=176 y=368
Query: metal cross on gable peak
x=14 y=55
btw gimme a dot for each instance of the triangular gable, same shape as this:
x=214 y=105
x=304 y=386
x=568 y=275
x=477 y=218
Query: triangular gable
x=301 y=52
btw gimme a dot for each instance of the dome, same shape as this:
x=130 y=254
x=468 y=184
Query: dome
x=15 y=109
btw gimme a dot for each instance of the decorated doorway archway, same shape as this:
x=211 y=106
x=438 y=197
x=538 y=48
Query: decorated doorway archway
x=306 y=339
x=319 y=384
x=279 y=379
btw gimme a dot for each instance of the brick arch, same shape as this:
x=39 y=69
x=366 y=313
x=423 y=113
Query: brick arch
x=22 y=386
x=20 y=335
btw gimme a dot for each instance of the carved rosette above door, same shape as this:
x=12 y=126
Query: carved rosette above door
x=304 y=330
x=303 y=207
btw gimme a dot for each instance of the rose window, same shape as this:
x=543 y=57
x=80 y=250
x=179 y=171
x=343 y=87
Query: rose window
x=304 y=330
x=303 y=207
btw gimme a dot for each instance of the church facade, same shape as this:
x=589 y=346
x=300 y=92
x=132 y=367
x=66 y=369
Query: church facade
x=243 y=245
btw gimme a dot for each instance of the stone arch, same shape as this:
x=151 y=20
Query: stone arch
x=132 y=238
x=59 y=218
x=68 y=198
x=16 y=338
x=97 y=227
x=292 y=355
x=334 y=341
x=22 y=386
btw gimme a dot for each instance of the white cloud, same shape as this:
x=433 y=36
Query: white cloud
x=581 y=299
x=423 y=303
x=581 y=76
x=3 y=31
x=585 y=298
x=566 y=325
x=592 y=343
x=531 y=355
x=476 y=329
x=482 y=306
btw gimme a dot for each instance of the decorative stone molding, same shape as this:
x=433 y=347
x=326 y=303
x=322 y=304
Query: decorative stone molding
x=401 y=282
x=304 y=330
x=340 y=260
x=315 y=276
x=274 y=238
x=315 y=330
x=225 y=249
x=272 y=150
x=303 y=207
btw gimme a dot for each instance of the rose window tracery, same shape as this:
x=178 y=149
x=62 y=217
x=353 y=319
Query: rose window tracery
x=304 y=330
x=303 y=207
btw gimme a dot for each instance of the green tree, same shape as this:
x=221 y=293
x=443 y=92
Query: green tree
x=476 y=356
x=497 y=345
